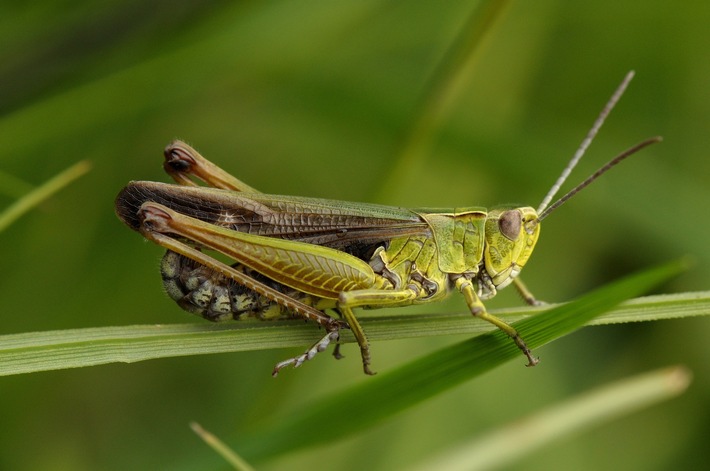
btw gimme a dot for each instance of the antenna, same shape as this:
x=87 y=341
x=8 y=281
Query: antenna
x=597 y=174
x=583 y=148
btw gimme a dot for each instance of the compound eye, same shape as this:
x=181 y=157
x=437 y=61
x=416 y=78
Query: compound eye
x=509 y=224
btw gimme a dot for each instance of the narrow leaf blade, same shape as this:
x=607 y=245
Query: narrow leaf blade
x=392 y=392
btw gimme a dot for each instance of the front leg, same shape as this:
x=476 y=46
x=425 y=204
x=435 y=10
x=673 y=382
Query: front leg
x=465 y=286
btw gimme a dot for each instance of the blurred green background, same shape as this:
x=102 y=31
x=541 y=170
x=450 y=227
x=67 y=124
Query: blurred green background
x=314 y=98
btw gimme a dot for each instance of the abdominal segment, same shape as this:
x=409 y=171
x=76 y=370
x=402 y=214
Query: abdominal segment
x=202 y=291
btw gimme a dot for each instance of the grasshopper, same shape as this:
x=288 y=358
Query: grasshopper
x=298 y=257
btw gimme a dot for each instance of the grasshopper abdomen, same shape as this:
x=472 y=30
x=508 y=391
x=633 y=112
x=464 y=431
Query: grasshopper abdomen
x=215 y=297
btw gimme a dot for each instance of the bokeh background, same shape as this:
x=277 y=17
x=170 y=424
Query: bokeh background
x=314 y=98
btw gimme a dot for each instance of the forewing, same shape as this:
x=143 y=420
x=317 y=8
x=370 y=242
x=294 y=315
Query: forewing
x=318 y=221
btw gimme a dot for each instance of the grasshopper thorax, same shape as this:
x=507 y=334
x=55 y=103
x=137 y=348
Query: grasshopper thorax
x=510 y=237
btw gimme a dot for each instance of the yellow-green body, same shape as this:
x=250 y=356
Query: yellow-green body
x=306 y=254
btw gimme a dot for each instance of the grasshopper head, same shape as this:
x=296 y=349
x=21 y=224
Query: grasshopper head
x=511 y=235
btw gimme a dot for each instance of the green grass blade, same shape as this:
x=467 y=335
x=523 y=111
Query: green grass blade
x=513 y=441
x=440 y=93
x=41 y=193
x=653 y=308
x=74 y=348
x=394 y=391
x=236 y=461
